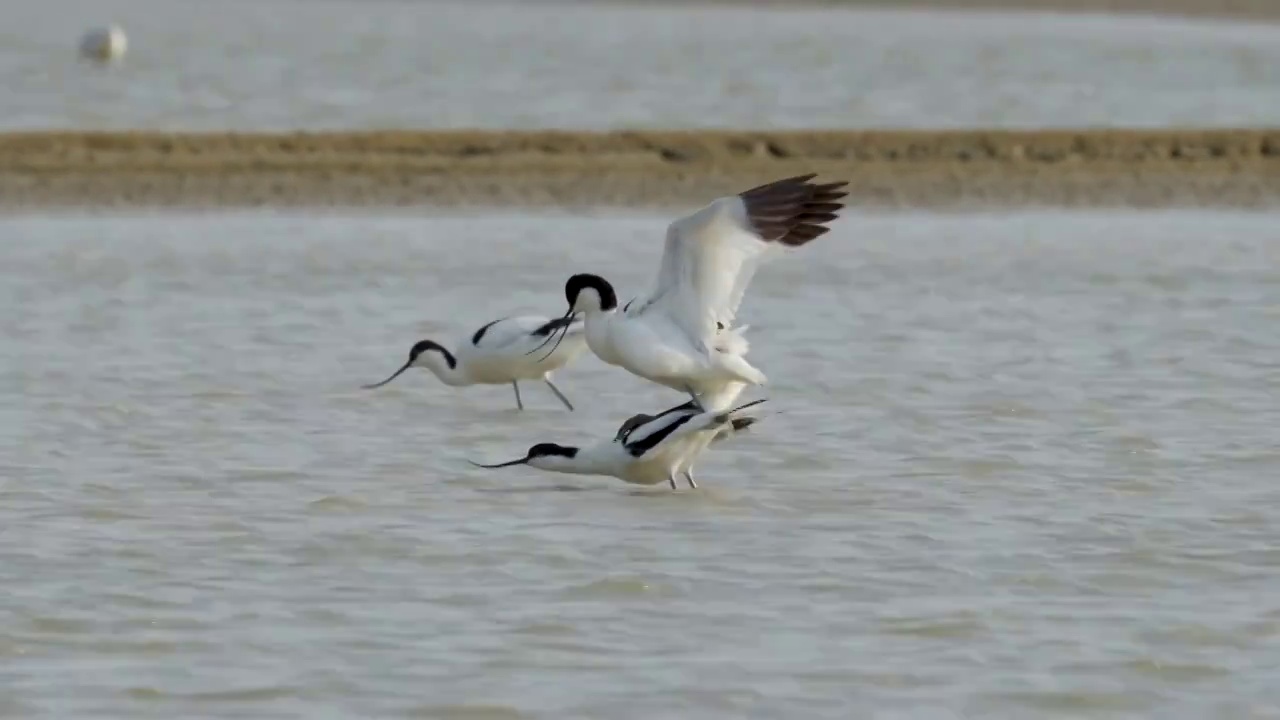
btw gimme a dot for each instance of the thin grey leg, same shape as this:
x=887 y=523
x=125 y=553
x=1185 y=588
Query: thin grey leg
x=688 y=475
x=672 y=479
x=516 y=385
x=559 y=394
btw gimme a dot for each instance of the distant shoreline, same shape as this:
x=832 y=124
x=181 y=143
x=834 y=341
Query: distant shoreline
x=886 y=169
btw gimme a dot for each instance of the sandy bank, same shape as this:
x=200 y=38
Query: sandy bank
x=1235 y=168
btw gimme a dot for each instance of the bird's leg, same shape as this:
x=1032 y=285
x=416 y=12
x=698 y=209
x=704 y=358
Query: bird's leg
x=516 y=385
x=559 y=394
x=672 y=479
x=688 y=475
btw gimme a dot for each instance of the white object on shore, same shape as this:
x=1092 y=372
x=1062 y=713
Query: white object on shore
x=104 y=45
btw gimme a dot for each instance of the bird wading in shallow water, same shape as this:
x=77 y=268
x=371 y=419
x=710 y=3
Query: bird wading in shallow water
x=646 y=450
x=499 y=353
x=681 y=334
x=695 y=446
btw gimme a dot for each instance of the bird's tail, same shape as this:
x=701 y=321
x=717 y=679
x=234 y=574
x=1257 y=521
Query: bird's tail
x=742 y=370
x=728 y=416
x=718 y=398
x=735 y=426
x=721 y=421
x=733 y=341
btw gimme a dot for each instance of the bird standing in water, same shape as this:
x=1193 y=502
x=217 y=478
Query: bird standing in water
x=647 y=449
x=498 y=353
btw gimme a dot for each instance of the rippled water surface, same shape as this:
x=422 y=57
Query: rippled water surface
x=1013 y=466
x=285 y=64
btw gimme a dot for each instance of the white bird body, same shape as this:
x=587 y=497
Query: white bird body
x=499 y=353
x=681 y=334
x=647 y=450
x=657 y=349
x=695 y=446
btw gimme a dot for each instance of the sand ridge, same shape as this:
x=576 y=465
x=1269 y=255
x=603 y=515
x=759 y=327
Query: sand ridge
x=1233 y=167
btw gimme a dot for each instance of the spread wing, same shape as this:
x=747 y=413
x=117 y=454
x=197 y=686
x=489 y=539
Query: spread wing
x=711 y=255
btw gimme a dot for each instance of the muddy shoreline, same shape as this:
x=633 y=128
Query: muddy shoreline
x=927 y=169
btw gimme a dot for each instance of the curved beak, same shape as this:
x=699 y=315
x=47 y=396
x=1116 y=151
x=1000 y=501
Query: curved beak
x=394 y=375
x=521 y=461
x=552 y=336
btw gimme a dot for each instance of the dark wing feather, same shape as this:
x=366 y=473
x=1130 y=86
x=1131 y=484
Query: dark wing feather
x=793 y=211
x=655 y=431
x=557 y=324
x=475 y=339
x=639 y=419
x=630 y=424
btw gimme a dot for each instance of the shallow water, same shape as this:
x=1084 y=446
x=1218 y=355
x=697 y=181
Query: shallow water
x=1013 y=465
x=287 y=64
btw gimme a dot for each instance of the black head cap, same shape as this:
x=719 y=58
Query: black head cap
x=584 y=281
x=426 y=345
x=552 y=450
x=414 y=353
x=422 y=346
x=537 y=451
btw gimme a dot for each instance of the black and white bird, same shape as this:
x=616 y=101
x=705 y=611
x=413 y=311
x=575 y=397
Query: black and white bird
x=647 y=449
x=499 y=353
x=681 y=334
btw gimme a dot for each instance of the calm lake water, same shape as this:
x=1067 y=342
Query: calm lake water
x=287 y=64
x=1013 y=466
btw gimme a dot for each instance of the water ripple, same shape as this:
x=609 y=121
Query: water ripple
x=620 y=65
x=1020 y=468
